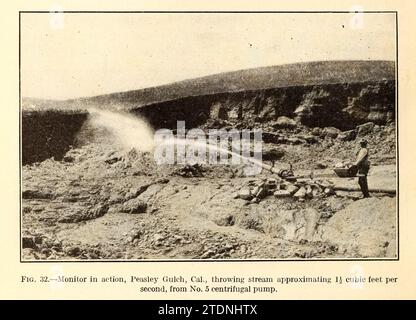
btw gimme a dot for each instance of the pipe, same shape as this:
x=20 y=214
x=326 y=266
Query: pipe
x=379 y=190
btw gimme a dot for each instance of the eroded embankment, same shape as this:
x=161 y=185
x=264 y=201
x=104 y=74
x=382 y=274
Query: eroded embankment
x=343 y=106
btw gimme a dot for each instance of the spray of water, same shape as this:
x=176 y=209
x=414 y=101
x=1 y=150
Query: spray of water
x=129 y=131
x=133 y=132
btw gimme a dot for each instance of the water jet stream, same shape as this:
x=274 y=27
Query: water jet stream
x=134 y=132
x=216 y=149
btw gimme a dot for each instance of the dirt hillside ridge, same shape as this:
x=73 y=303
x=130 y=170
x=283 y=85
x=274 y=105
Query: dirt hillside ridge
x=288 y=75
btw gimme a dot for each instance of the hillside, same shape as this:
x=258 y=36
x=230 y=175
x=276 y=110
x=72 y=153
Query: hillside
x=289 y=75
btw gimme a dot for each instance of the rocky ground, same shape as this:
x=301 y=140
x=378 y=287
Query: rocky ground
x=101 y=202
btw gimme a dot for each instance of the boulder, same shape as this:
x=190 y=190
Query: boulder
x=292 y=189
x=331 y=132
x=301 y=193
x=309 y=139
x=377 y=117
x=325 y=183
x=282 y=193
x=317 y=131
x=245 y=194
x=134 y=206
x=365 y=128
x=285 y=122
x=347 y=135
x=289 y=187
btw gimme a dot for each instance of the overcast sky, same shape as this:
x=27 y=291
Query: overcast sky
x=73 y=55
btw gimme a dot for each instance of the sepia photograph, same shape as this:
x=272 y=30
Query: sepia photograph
x=192 y=136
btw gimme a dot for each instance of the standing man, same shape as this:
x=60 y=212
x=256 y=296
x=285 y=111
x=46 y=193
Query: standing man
x=363 y=167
